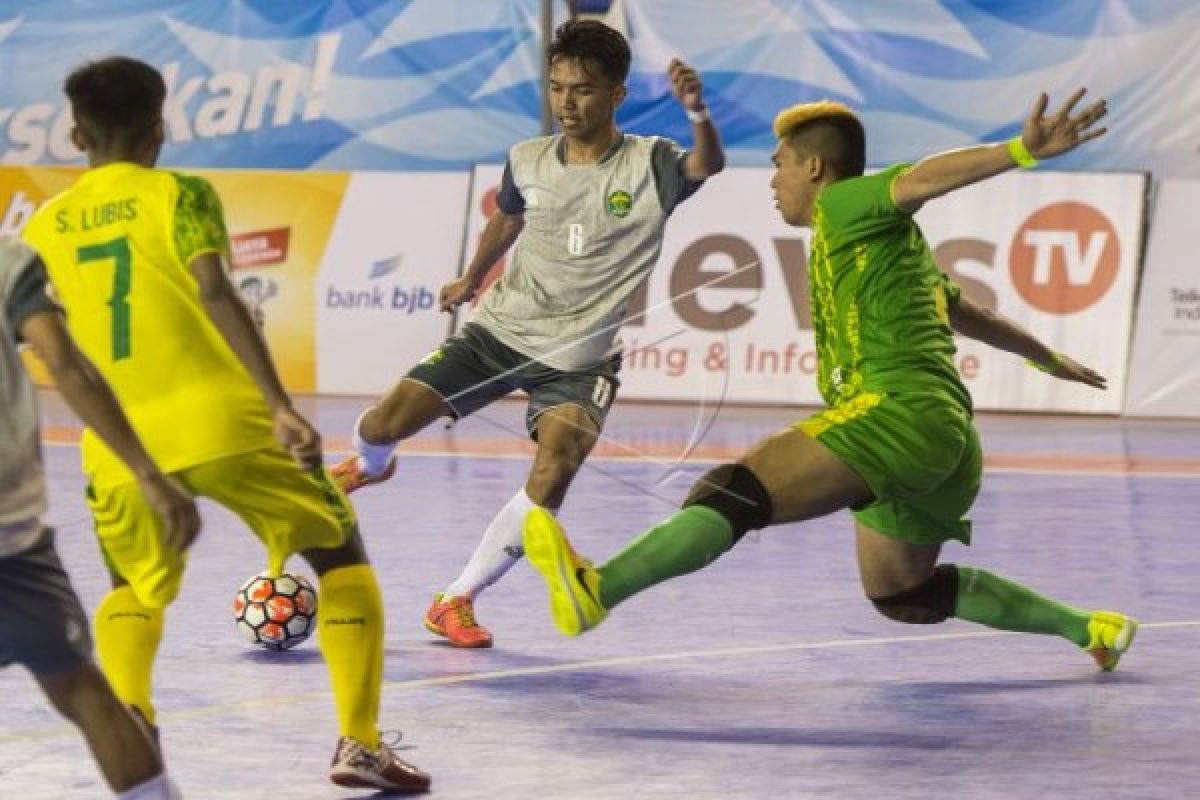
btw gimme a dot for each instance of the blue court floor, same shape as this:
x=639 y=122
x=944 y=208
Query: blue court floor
x=766 y=675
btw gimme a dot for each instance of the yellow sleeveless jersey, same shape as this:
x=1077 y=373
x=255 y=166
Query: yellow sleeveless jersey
x=117 y=246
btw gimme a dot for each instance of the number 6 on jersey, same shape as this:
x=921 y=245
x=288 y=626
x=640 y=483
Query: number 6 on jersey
x=575 y=239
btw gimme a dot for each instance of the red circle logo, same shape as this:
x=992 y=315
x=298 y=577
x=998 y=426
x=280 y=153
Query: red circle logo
x=1064 y=258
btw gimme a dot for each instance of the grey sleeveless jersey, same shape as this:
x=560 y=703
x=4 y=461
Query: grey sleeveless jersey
x=592 y=234
x=22 y=480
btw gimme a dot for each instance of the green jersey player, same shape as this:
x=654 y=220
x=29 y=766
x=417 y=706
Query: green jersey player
x=896 y=444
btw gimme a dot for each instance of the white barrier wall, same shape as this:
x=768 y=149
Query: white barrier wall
x=343 y=271
x=396 y=241
x=1056 y=252
x=1165 y=371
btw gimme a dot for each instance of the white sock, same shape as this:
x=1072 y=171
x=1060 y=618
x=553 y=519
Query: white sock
x=372 y=458
x=159 y=787
x=500 y=548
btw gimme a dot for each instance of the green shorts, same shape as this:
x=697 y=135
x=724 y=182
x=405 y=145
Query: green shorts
x=920 y=455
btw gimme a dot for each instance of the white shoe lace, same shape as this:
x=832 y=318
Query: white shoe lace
x=358 y=756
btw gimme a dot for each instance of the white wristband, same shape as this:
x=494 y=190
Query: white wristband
x=696 y=116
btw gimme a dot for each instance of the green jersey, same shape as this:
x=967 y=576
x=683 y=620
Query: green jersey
x=879 y=302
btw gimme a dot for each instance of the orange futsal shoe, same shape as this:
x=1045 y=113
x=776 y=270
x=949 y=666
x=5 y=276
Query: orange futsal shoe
x=350 y=476
x=454 y=618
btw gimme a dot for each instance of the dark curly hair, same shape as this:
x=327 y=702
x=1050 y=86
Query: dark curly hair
x=594 y=44
x=116 y=101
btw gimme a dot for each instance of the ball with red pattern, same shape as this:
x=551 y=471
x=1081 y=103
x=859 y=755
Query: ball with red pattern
x=277 y=613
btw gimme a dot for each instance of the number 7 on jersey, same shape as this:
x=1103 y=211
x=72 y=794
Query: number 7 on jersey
x=118 y=251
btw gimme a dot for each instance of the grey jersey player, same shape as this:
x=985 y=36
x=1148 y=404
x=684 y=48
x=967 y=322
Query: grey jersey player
x=42 y=624
x=586 y=210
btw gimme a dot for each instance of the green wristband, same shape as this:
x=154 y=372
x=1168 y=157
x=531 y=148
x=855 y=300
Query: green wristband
x=1020 y=153
x=1055 y=363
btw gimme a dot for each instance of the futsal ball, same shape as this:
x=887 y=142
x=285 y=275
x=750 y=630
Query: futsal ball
x=277 y=613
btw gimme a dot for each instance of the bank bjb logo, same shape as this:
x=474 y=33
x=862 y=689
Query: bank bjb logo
x=1065 y=258
x=379 y=294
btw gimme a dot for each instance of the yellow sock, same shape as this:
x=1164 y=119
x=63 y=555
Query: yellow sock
x=350 y=619
x=127 y=638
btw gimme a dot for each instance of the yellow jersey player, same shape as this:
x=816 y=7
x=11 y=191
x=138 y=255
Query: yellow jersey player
x=137 y=256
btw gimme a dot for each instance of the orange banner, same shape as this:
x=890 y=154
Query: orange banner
x=279 y=224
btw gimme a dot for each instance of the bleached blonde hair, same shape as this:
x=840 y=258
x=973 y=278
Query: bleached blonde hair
x=842 y=143
x=793 y=117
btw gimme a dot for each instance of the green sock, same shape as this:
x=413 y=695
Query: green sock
x=999 y=603
x=684 y=543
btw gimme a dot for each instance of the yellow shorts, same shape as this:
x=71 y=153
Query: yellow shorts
x=289 y=509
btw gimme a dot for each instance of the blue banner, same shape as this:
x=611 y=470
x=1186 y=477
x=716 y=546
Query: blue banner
x=926 y=75
x=443 y=84
x=348 y=84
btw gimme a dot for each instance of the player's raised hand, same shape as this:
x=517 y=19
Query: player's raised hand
x=177 y=509
x=1064 y=130
x=686 y=85
x=1068 y=369
x=298 y=437
x=456 y=292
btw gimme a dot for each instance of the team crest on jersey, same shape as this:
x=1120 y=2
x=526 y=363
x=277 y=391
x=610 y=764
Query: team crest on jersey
x=620 y=203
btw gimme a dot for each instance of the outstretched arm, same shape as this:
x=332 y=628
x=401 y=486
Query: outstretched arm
x=706 y=156
x=985 y=325
x=1042 y=137
x=90 y=397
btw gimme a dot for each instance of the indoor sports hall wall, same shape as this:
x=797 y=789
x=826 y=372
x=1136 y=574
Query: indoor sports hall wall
x=371 y=118
x=1164 y=377
x=343 y=270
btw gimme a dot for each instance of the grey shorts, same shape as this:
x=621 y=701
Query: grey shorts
x=473 y=369
x=42 y=623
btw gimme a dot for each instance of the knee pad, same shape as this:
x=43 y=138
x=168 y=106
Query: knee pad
x=735 y=493
x=928 y=604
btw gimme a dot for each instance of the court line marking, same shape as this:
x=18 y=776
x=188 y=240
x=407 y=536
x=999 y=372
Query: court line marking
x=703 y=461
x=50 y=732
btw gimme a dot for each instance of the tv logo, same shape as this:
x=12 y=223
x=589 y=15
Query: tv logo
x=1065 y=258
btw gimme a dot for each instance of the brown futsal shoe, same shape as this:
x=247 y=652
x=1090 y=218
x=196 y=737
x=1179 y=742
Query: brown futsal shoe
x=454 y=618
x=1111 y=635
x=356 y=767
x=350 y=476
